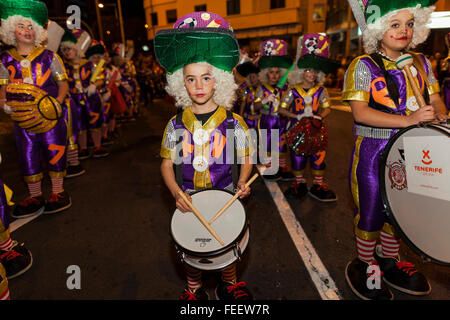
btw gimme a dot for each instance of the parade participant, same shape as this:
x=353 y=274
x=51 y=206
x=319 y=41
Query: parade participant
x=29 y=71
x=445 y=75
x=382 y=100
x=15 y=259
x=307 y=97
x=248 y=93
x=94 y=106
x=96 y=53
x=274 y=63
x=202 y=84
x=127 y=87
x=72 y=54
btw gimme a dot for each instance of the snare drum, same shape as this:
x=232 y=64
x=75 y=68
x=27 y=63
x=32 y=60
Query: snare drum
x=415 y=187
x=308 y=136
x=196 y=246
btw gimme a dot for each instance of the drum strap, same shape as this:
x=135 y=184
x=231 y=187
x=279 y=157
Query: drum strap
x=179 y=150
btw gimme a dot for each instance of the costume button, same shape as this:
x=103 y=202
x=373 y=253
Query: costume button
x=412 y=104
x=25 y=63
x=28 y=80
x=201 y=137
x=308 y=99
x=200 y=164
x=308 y=111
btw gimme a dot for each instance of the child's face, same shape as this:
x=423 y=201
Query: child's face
x=310 y=75
x=96 y=58
x=400 y=33
x=252 y=79
x=273 y=76
x=199 y=82
x=68 y=53
x=24 y=32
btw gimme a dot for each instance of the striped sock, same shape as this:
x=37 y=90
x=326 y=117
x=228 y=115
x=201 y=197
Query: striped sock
x=82 y=140
x=96 y=138
x=35 y=188
x=5 y=295
x=300 y=179
x=365 y=249
x=283 y=162
x=229 y=274
x=72 y=157
x=389 y=244
x=57 y=185
x=194 y=278
x=318 y=180
x=6 y=245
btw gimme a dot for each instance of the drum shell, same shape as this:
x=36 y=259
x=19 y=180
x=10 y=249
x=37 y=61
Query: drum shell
x=193 y=257
x=415 y=208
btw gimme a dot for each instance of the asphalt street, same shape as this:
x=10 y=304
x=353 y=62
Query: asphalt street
x=117 y=230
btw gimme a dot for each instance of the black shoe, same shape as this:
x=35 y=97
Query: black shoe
x=276 y=176
x=401 y=275
x=58 y=202
x=100 y=152
x=107 y=142
x=74 y=171
x=322 y=193
x=286 y=175
x=296 y=191
x=231 y=292
x=17 y=260
x=29 y=207
x=83 y=154
x=199 y=294
x=356 y=276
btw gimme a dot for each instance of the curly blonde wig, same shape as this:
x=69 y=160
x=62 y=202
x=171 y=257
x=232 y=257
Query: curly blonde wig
x=263 y=74
x=224 y=87
x=296 y=77
x=9 y=25
x=374 y=33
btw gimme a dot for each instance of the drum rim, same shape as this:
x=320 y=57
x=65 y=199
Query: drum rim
x=387 y=207
x=220 y=250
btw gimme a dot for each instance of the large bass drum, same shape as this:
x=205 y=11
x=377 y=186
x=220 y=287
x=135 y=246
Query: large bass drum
x=415 y=188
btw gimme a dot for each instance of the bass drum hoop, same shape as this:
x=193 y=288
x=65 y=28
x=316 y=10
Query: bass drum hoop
x=218 y=251
x=382 y=174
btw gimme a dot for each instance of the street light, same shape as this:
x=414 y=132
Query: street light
x=100 y=5
x=118 y=6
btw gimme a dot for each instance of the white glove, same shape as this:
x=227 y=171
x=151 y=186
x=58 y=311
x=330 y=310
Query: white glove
x=107 y=95
x=270 y=98
x=91 y=89
x=128 y=87
x=8 y=109
x=300 y=116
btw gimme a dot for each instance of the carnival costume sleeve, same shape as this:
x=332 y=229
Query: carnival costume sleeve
x=58 y=70
x=357 y=82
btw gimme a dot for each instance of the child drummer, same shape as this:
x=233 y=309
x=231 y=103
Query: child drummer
x=382 y=101
x=202 y=84
x=307 y=97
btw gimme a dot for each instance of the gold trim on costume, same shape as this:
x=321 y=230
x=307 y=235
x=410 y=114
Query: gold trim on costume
x=356 y=96
x=34 y=178
x=4 y=82
x=365 y=235
x=55 y=174
x=318 y=173
x=61 y=77
x=354 y=181
x=434 y=88
x=388 y=228
x=4 y=234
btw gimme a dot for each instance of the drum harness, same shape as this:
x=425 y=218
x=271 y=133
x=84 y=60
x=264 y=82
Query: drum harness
x=386 y=133
x=179 y=166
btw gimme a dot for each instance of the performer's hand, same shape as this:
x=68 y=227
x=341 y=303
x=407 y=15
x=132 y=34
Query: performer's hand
x=91 y=89
x=181 y=204
x=8 y=109
x=441 y=116
x=421 y=115
x=107 y=95
x=128 y=87
x=245 y=192
x=300 y=116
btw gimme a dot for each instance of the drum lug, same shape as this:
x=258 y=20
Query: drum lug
x=237 y=252
x=181 y=255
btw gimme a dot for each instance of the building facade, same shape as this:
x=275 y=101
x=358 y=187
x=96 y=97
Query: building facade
x=252 y=20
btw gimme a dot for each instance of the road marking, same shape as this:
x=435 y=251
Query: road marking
x=325 y=285
x=16 y=224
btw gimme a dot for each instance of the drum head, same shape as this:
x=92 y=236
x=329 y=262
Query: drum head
x=190 y=234
x=418 y=206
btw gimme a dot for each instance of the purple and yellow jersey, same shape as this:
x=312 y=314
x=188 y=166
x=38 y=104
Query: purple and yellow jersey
x=249 y=96
x=364 y=81
x=299 y=101
x=206 y=152
x=74 y=76
x=42 y=68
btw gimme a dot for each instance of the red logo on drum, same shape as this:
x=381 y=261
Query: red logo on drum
x=426 y=155
x=397 y=175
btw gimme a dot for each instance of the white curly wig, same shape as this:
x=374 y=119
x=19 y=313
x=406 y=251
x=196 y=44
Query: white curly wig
x=9 y=25
x=263 y=74
x=224 y=87
x=296 y=77
x=374 y=32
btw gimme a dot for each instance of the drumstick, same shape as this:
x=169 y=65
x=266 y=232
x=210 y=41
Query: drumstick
x=230 y=202
x=200 y=217
x=404 y=62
